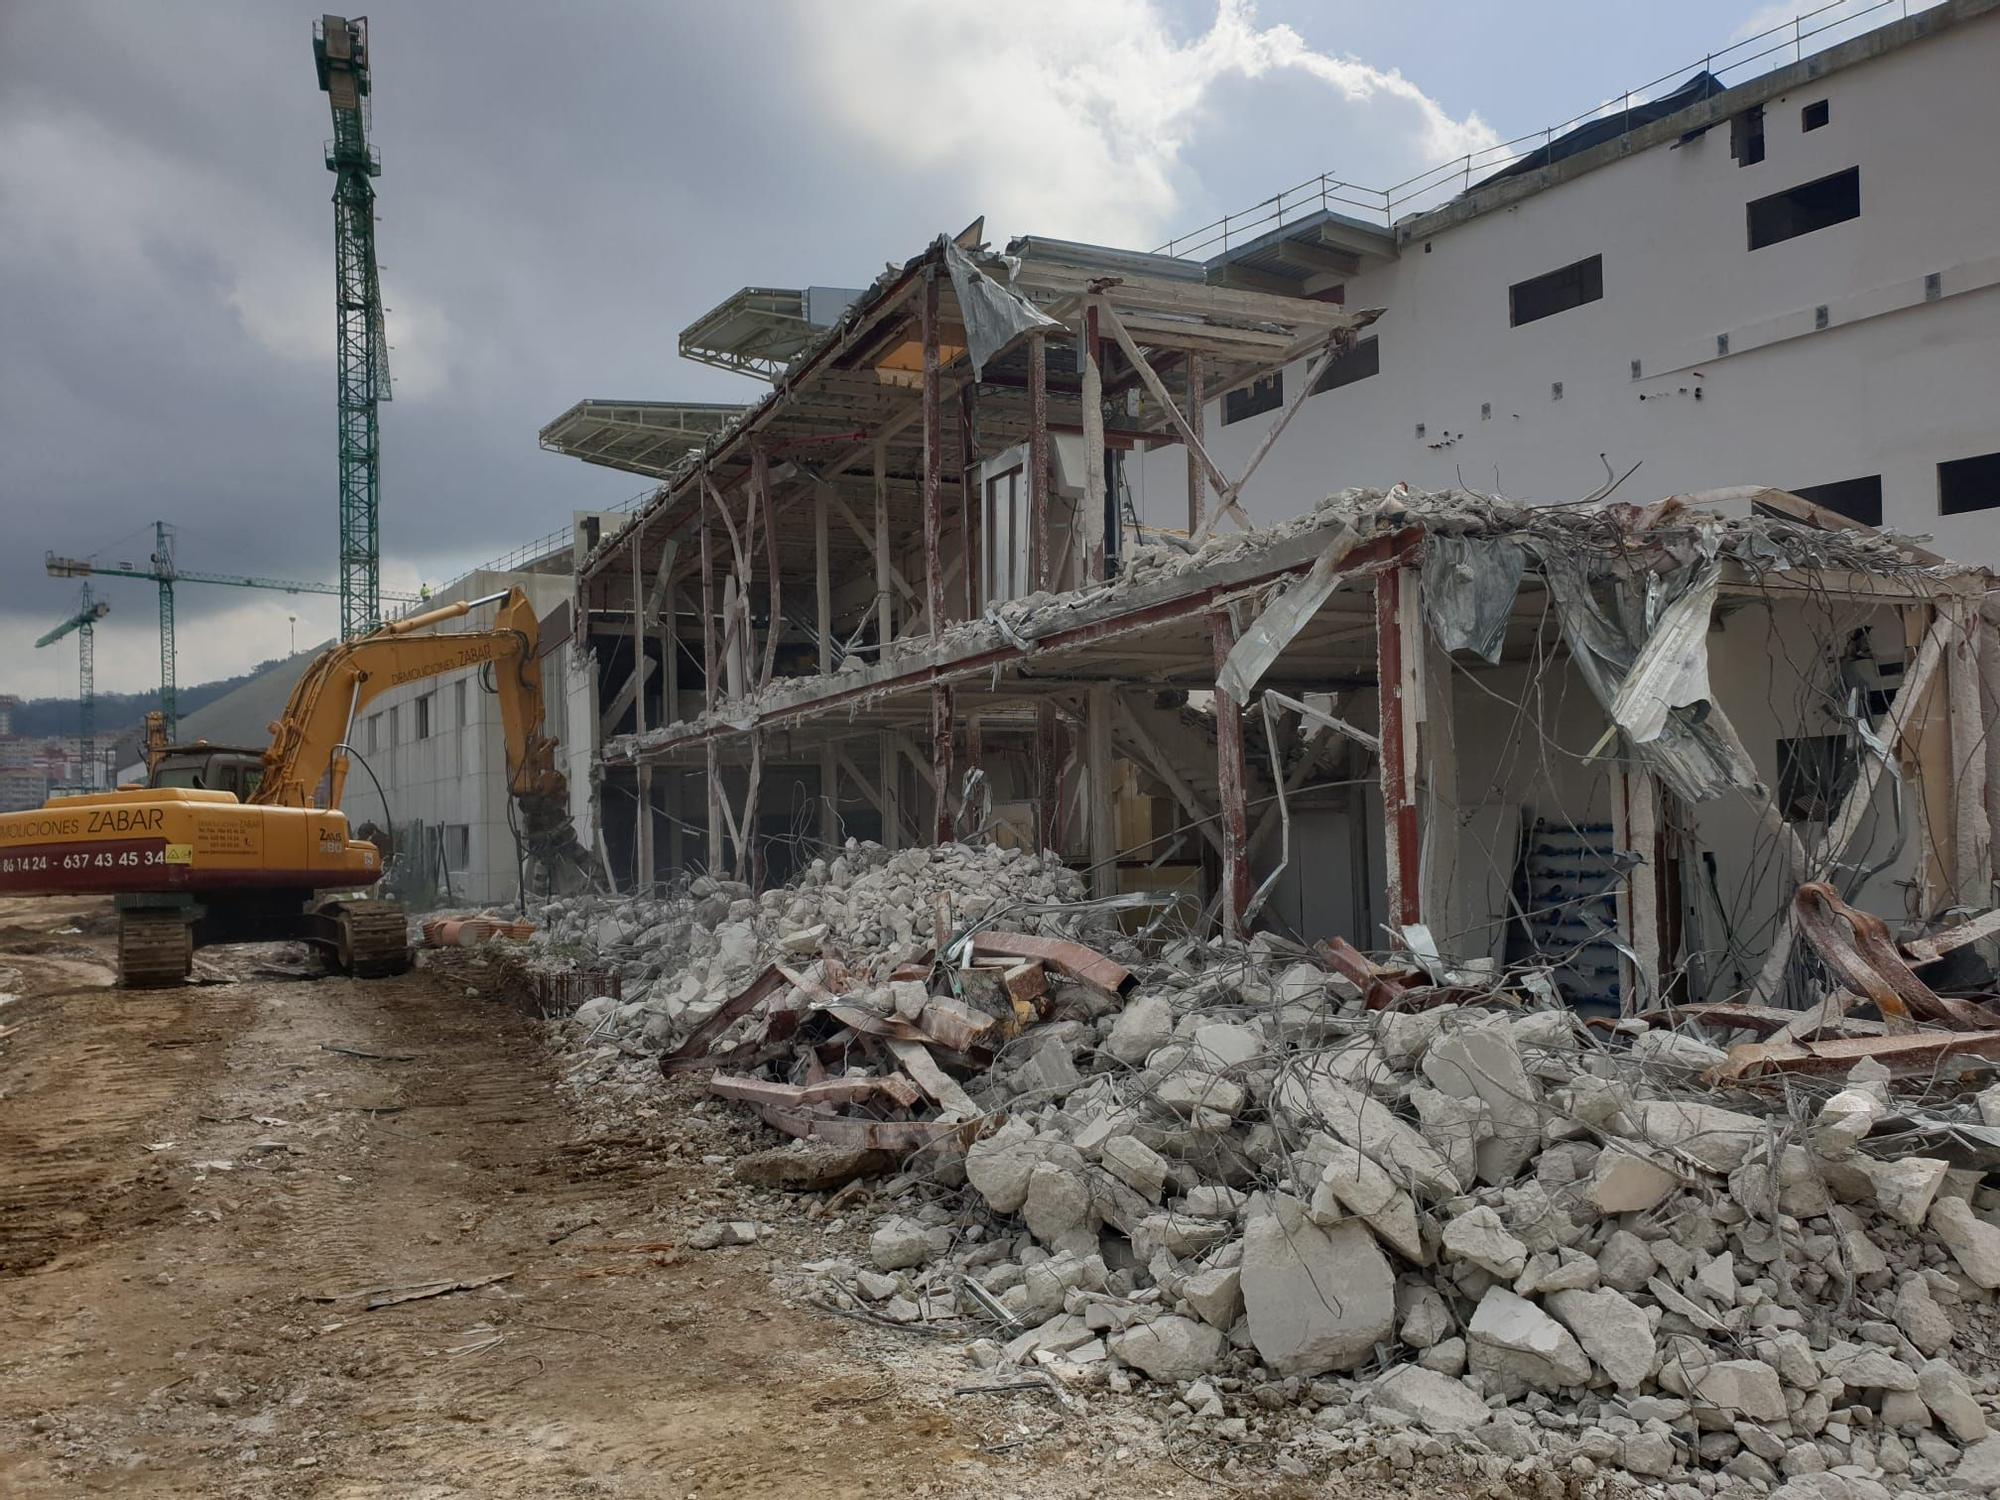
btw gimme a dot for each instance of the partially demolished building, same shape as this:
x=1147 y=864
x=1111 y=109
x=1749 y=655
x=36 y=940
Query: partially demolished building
x=900 y=599
x=1414 y=982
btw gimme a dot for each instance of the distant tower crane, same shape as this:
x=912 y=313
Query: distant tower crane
x=84 y=622
x=340 y=50
x=164 y=571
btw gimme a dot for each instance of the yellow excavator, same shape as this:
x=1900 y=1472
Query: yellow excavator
x=227 y=845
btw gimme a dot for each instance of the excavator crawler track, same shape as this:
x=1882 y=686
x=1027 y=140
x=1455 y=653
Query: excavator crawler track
x=154 y=949
x=368 y=939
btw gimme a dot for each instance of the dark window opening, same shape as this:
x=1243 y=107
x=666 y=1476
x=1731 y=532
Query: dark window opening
x=1352 y=364
x=1814 y=115
x=1263 y=395
x=1809 y=206
x=1966 y=484
x=1746 y=136
x=1857 y=499
x=424 y=717
x=1814 y=773
x=1556 y=291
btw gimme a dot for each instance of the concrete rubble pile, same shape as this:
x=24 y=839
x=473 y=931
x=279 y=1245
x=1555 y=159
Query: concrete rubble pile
x=682 y=955
x=1373 y=1213
x=1289 y=1193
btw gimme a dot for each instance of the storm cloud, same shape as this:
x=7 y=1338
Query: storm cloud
x=563 y=188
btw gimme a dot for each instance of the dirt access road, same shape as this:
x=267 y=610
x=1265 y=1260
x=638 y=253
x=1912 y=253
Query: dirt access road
x=202 y=1190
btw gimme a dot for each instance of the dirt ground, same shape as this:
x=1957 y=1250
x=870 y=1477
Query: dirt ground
x=212 y=1198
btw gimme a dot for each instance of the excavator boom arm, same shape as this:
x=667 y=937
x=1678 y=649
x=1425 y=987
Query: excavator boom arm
x=308 y=745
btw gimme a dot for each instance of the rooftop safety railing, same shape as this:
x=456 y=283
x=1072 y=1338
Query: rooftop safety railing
x=528 y=553
x=1762 y=53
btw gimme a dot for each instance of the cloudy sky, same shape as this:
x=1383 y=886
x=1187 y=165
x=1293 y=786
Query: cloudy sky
x=564 y=187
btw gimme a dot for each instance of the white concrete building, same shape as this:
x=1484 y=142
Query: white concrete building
x=1790 y=281
x=438 y=751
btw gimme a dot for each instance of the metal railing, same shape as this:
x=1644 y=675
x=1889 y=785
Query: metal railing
x=559 y=540
x=1764 y=52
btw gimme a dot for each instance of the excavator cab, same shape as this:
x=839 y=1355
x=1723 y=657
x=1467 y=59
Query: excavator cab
x=205 y=767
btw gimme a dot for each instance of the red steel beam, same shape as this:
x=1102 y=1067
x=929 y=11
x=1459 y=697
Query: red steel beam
x=1229 y=782
x=1085 y=965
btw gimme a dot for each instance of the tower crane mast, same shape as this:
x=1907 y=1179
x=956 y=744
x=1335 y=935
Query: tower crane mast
x=84 y=622
x=340 y=51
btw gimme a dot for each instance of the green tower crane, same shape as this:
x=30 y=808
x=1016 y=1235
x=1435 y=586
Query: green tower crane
x=84 y=622
x=340 y=51
x=162 y=569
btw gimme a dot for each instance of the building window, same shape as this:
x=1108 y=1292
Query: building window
x=1966 y=484
x=1355 y=363
x=374 y=733
x=1819 y=204
x=1814 y=773
x=1814 y=115
x=1746 y=136
x=393 y=715
x=458 y=702
x=424 y=716
x=457 y=846
x=1857 y=499
x=1263 y=395
x=1556 y=291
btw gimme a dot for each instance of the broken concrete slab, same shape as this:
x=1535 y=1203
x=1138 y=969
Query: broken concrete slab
x=1215 y=1295
x=1145 y=1025
x=1719 y=1139
x=812 y=1166
x=1431 y=1400
x=1613 y=1330
x=1352 y=1183
x=1455 y=1126
x=1312 y=1101
x=1519 y=1347
x=1625 y=1181
x=1948 y=1394
x=898 y=1244
x=1482 y=1059
x=1479 y=1236
x=1317 y=1298
x=1169 y=1348
x=1973 y=1243
x=1904 y=1188
x=1135 y=1164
